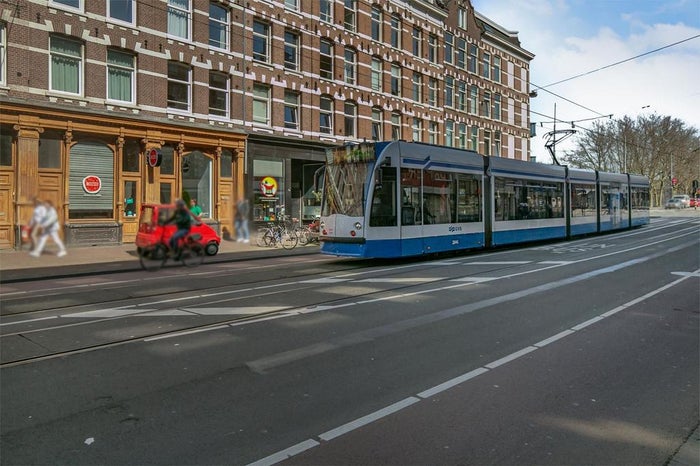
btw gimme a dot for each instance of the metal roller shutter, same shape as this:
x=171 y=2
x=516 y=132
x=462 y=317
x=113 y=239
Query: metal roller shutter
x=86 y=159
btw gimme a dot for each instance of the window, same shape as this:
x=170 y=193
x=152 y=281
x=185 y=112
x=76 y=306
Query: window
x=487 y=142
x=395 y=80
x=376 y=28
x=432 y=91
x=350 y=15
x=326 y=115
x=3 y=69
x=350 y=119
x=122 y=10
x=486 y=65
x=417 y=129
x=473 y=99
x=226 y=164
x=449 y=47
x=292 y=4
x=261 y=39
x=218 y=26
x=291 y=109
x=326 y=60
x=473 y=58
x=461 y=53
x=395 y=38
x=376 y=74
x=197 y=181
x=326 y=10
x=497 y=143
x=261 y=104
x=496 y=69
x=432 y=132
x=130 y=197
x=66 y=65
x=291 y=50
x=50 y=145
x=416 y=40
x=462 y=135
x=461 y=96
x=179 y=17
x=179 y=83
x=432 y=48
x=462 y=18
x=449 y=133
x=497 y=107
x=449 y=91
x=377 y=124
x=417 y=87
x=486 y=105
x=131 y=156
x=75 y=4
x=350 y=64
x=474 y=140
x=218 y=94
x=120 y=76
x=395 y=126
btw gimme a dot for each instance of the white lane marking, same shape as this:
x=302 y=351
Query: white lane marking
x=186 y=332
x=326 y=280
x=429 y=393
x=364 y=420
x=498 y=263
x=585 y=324
x=287 y=453
x=555 y=262
x=686 y=274
x=399 y=280
x=102 y=313
x=233 y=311
x=475 y=279
x=28 y=321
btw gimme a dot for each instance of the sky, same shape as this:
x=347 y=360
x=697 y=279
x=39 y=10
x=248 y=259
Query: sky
x=573 y=37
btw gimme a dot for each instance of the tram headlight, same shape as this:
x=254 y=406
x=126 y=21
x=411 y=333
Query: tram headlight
x=358 y=226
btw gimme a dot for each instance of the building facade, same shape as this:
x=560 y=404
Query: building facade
x=108 y=105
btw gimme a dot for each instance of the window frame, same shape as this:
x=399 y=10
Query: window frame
x=264 y=100
x=433 y=90
x=417 y=41
x=61 y=4
x=376 y=22
x=325 y=12
x=291 y=110
x=350 y=15
x=376 y=74
x=417 y=129
x=118 y=20
x=395 y=31
x=188 y=85
x=417 y=87
x=172 y=13
x=449 y=133
x=377 y=124
x=350 y=66
x=291 y=49
x=395 y=81
x=226 y=91
x=132 y=77
x=225 y=23
x=327 y=113
x=432 y=48
x=449 y=47
x=326 y=58
x=3 y=54
x=350 y=119
x=395 y=126
x=261 y=38
x=80 y=62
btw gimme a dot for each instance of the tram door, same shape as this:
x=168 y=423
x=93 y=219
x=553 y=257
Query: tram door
x=411 y=215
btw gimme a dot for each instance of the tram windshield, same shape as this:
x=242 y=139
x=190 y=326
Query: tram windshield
x=347 y=173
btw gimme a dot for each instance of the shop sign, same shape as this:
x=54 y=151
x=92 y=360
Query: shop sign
x=154 y=157
x=268 y=186
x=92 y=184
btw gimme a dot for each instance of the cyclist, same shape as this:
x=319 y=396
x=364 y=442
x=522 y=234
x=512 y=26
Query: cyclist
x=183 y=220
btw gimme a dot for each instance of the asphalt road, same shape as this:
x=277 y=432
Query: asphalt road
x=583 y=352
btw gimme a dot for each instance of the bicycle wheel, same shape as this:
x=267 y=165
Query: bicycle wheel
x=303 y=235
x=264 y=238
x=288 y=239
x=153 y=258
x=192 y=255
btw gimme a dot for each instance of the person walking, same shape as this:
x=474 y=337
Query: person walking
x=50 y=227
x=35 y=223
x=241 y=220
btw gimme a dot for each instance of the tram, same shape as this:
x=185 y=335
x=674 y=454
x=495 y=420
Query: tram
x=400 y=199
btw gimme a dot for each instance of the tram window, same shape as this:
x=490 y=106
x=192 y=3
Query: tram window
x=582 y=200
x=524 y=200
x=468 y=198
x=383 y=210
x=438 y=204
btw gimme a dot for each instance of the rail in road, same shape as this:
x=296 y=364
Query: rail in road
x=284 y=360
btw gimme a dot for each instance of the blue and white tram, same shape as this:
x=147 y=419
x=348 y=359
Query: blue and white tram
x=399 y=199
x=639 y=200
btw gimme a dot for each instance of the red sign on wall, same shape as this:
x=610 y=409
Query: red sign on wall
x=154 y=157
x=92 y=184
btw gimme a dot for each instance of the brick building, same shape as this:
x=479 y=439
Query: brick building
x=231 y=92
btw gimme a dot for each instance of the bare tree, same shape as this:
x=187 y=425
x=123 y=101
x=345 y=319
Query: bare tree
x=659 y=147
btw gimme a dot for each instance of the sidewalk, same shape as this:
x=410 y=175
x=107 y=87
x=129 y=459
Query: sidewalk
x=19 y=265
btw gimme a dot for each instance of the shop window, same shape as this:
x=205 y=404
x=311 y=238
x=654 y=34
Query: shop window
x=268 y=190
x=91 y=181
x=167 y=165
x=196 y=180
x=5 y=146
x=166 y=193
x=131 y=156
x=226 y=161
x=50 y=149
x=130 y=197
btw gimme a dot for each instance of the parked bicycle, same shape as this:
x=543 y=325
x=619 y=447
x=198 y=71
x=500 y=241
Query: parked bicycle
x=189 y=251
x=277 y=233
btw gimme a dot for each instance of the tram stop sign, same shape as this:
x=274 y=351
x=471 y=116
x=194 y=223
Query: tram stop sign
x=154 y=157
